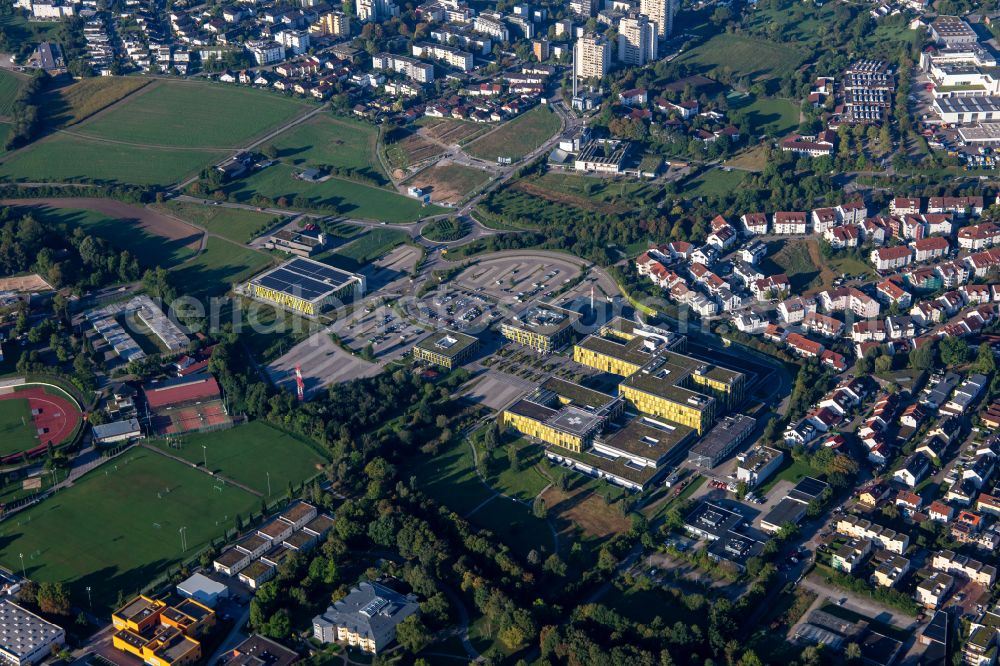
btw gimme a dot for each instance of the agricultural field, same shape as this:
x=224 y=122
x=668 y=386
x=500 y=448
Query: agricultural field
x=408 y=149
x=323 y=140
x=714 y=182
x=451 y=132
x=448 y=182
x=239 y=226
x=518 y=137
x=193 y=115
x=150 y=249
x=17 y=430
x=348 y=198
x=215 y=269
x=754 y=159
x=743 y=56
x=65 y=157
x=117 y=528
x=10 y=85
x=248 y=453
x=76 y=102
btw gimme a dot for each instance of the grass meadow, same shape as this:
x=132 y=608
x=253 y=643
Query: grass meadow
x=239 y=226
x=17 y=430
x=216 y=268
x=518 y=137
x=338 y=142
x=185 y=115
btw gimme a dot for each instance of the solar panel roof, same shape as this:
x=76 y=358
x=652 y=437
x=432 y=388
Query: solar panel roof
x=309 y=280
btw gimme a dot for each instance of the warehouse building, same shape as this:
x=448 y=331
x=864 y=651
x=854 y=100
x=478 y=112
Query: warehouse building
x=449 y=349
x=541 y=326
x=25 y=638
x=305 y=286
x=117 y=431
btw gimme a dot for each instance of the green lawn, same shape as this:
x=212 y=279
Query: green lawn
x=10 y=84
x=518 y=137
x=239 y=226
x=338 y=142
x=525 y=484
x=248 y=453
x=367 y=248
x=117 y=529
x=602 y=190
x=22 y=34
x=794 y=259
x=790 y=470
x=515 y=526
x=215 y=270
x=347 y=197
x=743 y=56
x=17 y=430
x=714 y=182
x=449 y=476
x=67 y=157
x=772 y=116
x=149 y=249
x=185 y=115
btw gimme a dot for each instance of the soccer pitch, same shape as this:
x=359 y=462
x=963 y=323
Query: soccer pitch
x=17 y=430
x=248 y=453
x=118 y=528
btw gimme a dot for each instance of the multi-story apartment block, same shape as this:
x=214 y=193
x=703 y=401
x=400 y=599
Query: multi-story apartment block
x=375 y=10
x=366 y=618
x=859 y=528
x=453 y=57
x=593 y=56
x=660 y=12
x=637 y=40
x=413 y=69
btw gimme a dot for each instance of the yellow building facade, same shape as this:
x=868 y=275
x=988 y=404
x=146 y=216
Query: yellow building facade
x=542 y=431
x=159 y=634
x=700 y=418
x=604 y=362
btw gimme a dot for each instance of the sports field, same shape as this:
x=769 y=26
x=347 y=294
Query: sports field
x=213 y=271
x=62 y=157
x=185 y=114
x=338 y=142
x=349 y=198
x=239 y=226
x=743 y=56
x=117 y=528
x=518 y=137
x=17 y=431
x=248 y=453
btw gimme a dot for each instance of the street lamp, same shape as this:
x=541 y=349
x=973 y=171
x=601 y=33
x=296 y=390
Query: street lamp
x=268 y=483
x=90 y=601
x=24 y=571
x=204 y=451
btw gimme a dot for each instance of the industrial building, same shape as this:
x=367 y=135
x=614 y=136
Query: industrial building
x=303 y=242
x=449 y=349
x=602 y=156
x=541 y=326
x=257 y=650
x=757 y=464
x=306 y=286
x=26 y=638
x=366 y=618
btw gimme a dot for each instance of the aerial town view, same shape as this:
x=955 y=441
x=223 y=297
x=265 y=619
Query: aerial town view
x=506 y=332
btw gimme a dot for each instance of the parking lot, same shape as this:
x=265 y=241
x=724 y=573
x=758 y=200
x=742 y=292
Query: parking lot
x=513 y=279
x=323 y=363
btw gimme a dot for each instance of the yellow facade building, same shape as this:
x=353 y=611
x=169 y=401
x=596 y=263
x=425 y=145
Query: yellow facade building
x=562 y=413
x=160 y=634
x=540 y=326
x=449 y=349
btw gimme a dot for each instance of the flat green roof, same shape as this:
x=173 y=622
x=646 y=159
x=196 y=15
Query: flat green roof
x=577 y=394
x=647 y=437
x=630 y=352
x=543 y=319
x=448 y=343
x=617 y=467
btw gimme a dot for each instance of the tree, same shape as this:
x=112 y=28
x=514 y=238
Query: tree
x=852 y=652
x=923 y=357
x=412 y=634
x=53 y=598
x=515 y=461
x=985 y=361
x=954 y=351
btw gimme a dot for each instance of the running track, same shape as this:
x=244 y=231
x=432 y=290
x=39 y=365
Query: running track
x=55 y=420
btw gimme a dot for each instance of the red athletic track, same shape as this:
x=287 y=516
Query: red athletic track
x=57 y=415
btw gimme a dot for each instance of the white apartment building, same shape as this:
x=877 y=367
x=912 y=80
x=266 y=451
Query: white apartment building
x=593 y=56
x=637 y=40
